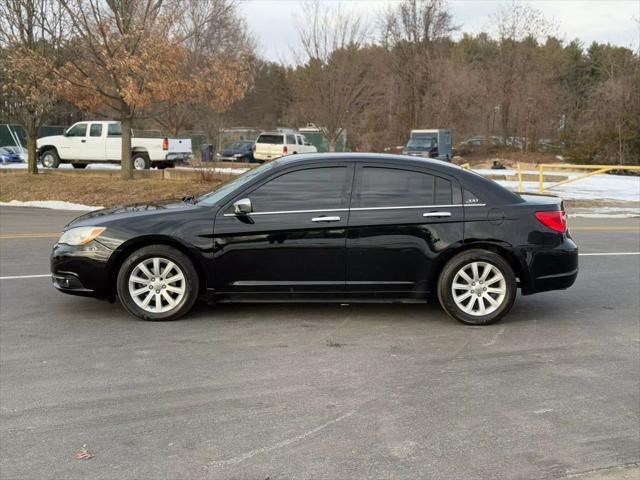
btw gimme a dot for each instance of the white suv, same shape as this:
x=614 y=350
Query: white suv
x=270 y=145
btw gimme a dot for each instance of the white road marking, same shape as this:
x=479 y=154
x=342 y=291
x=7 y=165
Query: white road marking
x=15 y=277
x=607 y=254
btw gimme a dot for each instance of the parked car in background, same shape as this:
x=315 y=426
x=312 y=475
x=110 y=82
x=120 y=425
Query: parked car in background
x=100 y=142
x=241 y=151
x=271 y=145
x=337 y=227
x=12 y=154
x=432 y=143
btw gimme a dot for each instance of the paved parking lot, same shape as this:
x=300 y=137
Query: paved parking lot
x=320 y=391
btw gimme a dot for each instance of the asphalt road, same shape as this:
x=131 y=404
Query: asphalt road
x=320 y=391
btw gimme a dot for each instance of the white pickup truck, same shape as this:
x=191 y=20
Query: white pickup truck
x=100 y=142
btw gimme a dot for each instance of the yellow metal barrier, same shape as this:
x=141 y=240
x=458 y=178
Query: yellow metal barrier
x=597 y=169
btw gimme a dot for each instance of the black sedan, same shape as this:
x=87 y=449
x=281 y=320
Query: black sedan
x=329 y=227
x=237 y=152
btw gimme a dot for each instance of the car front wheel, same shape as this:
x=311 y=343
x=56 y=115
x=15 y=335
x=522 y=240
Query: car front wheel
x=157 y=282
x=50 y=159
x=477 y=287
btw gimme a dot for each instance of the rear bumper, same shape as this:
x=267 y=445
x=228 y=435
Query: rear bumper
x=178 y=157
x=551 y=268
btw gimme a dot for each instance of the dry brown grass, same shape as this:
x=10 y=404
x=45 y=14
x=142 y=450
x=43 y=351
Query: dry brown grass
x=99 y=190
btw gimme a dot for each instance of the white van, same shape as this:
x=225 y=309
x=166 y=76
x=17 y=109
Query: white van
x=270 y=145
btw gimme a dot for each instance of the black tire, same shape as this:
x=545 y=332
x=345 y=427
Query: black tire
x=191 y=282
x=451 y=269
x=50 y=159
x=142 y=160
x=79 y=165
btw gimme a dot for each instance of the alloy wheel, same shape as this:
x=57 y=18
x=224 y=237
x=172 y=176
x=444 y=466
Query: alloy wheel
x=479 y=288
x=139 y=163
x=47 y=160
x=157 y=285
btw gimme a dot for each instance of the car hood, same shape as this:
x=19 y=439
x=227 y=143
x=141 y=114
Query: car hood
x=108 y=215
x=47 y=140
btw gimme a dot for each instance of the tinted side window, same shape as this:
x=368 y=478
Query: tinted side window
x=387 y=187
x=312 y=189
x=114 y=130
x=299 y=138
x=95 y=130
x=469 y=198
x=79 y=130
x=291 y=139
x=444 y=195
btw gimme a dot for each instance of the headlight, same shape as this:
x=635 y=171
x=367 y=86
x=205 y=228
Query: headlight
x=80 y=235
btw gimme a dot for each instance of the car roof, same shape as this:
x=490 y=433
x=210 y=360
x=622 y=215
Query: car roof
x=363 y=157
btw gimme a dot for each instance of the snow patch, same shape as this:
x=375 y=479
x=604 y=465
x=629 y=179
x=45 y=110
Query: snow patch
x=53 y=204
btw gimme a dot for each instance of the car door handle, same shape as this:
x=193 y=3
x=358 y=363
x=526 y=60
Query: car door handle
x=437 y=214
x=325 y=219
x=83 y=140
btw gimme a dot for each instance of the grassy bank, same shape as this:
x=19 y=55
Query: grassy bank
x=97 y=190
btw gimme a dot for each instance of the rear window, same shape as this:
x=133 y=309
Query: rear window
x=272 y=139
x=444 y=194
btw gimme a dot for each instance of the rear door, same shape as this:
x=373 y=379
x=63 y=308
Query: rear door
x=401 y=219
x=113 y=141
x=294 y=240
x=95 y=143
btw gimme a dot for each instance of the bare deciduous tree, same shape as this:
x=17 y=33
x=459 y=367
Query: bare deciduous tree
x=335 y=80
x=414 y=31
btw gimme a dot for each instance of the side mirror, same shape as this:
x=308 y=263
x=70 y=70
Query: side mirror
x=242 y=207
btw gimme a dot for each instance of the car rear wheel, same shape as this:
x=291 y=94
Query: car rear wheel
x=477 y=287
x=157 y=282
x=141 y=162
x=50 y=159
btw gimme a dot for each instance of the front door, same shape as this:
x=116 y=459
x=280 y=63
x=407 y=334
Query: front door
x=73 y=145
x=293 y=242
x=401 y=219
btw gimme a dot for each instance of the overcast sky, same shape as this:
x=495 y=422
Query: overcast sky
x=272 y=22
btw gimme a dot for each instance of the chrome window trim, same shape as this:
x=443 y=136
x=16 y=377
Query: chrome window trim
x=292 y=211
x=358 y=209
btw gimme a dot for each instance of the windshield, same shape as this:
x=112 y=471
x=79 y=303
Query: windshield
x=423 y=140
x=212 y=198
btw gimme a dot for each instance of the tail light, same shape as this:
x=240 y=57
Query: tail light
x=165 y=143
x=554 y=220
x=285 y=149
x=254 y=147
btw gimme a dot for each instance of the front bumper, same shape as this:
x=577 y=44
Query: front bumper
x=81 y=270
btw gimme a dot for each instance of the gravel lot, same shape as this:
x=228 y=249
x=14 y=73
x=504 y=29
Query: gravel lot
x=320 y=391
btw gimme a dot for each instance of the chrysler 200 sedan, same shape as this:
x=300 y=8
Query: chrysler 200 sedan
x=325 y=227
